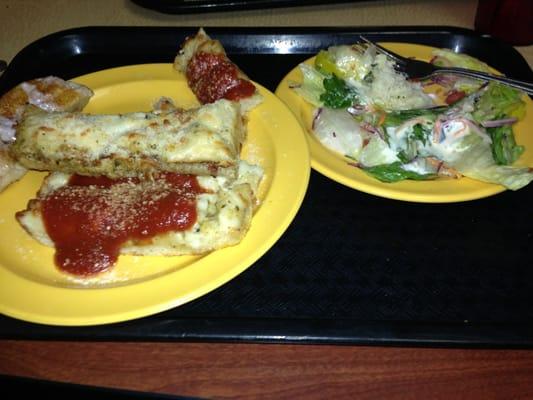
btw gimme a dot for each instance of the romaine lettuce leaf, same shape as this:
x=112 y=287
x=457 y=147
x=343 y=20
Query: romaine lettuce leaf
x=499 y=101
x=472 y=156
x=395 y=172
x=396 y=118
x=338 y=131
x=505 y=151
x=312 y=85
x=325 y=63
x=446 y=58
x=377 y=152
x=347 y=62
x=495 y=103
x=337 y=94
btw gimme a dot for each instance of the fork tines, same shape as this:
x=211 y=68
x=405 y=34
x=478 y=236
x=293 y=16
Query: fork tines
x=399 y=59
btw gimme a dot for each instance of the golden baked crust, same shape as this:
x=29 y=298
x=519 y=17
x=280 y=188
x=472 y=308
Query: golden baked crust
x=50 y=94
x=200 y=42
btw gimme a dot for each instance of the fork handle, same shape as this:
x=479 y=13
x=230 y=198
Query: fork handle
x=522 y=85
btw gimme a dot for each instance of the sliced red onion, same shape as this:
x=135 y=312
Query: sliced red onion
x=440 y=62
x=356 y=110
x=498 y=122
x=372 y=129
x=317 y=114
x=444 y=79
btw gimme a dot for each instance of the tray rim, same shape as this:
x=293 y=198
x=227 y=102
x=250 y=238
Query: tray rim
x=301 y=331
x=221 y=31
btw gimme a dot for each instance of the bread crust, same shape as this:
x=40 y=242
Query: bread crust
x=49 y=93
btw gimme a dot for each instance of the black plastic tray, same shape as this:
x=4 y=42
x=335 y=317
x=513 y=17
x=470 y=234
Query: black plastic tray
x=351 y=268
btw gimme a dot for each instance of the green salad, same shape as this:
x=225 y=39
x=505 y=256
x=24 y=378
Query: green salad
x=393 y=129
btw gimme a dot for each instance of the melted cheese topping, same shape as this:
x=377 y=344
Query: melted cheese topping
x=210 y=136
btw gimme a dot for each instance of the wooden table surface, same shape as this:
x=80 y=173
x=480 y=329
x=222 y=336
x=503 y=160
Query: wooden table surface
x=266 y=371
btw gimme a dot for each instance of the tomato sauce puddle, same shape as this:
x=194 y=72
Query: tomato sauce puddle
x=90 y=218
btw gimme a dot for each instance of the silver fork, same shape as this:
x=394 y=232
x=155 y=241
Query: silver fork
x=420 y=70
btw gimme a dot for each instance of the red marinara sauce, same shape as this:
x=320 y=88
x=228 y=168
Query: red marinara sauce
x=91 y=217
x=213 y=77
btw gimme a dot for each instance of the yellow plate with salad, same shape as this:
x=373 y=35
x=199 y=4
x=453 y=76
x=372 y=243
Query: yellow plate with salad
x=348 y=170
